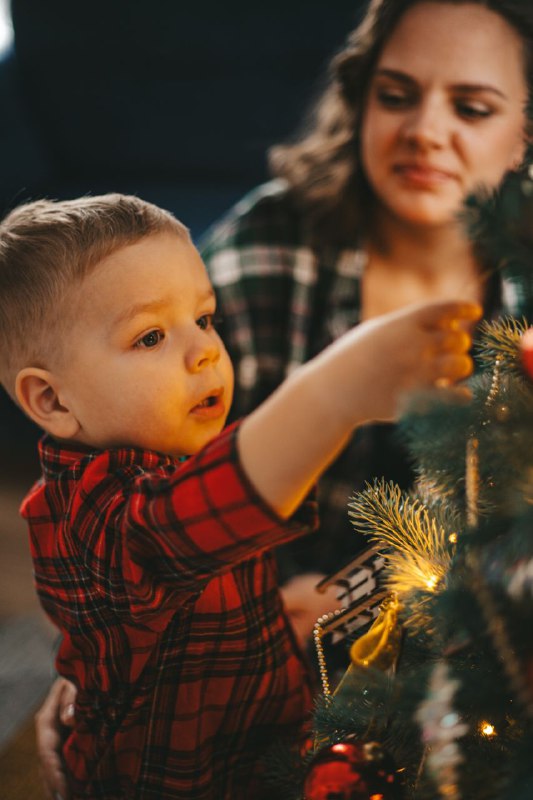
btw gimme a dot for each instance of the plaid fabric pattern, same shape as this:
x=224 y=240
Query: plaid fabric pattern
x=156 y=573
x=282 y=300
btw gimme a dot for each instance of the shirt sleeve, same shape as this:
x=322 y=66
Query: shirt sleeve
x=165 y=536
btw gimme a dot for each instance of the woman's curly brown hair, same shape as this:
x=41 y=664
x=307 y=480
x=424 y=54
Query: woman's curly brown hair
x=322 y=165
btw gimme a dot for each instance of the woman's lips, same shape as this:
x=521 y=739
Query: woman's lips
x=423 y=176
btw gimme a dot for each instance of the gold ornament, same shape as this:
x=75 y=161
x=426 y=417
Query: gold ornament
x=379 y=647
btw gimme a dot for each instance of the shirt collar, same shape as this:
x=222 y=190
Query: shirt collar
x=57 y=457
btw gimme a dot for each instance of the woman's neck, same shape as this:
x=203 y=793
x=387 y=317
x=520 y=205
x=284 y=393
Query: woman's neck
x=431 y=252
x=414 y=265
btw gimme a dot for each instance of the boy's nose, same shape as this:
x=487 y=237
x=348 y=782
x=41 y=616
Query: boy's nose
x=204 y=351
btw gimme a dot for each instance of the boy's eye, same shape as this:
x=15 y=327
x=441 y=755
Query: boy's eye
x=150 y=339
x=206 y=321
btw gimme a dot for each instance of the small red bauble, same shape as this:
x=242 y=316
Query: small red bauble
x=352 y=771
x=526 y=346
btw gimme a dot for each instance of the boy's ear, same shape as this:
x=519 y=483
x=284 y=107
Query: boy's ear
x=36 y=392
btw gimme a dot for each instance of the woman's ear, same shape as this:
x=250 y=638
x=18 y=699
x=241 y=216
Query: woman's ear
x=36 y=391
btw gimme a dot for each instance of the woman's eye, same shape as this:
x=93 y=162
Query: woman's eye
x=393 y=98
x=150 y=339
x=472 y=110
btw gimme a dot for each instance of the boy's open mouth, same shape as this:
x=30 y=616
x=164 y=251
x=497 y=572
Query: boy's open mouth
x=209 y=401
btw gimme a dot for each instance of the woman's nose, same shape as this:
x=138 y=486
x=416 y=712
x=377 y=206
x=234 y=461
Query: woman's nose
x=427 y=125
x=203 y=351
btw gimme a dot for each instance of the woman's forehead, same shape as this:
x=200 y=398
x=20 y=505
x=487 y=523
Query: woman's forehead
x=459 y=41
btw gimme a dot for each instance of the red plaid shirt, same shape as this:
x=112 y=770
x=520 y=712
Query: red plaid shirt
x=173 y=628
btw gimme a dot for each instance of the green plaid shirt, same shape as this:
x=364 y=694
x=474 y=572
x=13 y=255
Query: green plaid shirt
x=282 y=300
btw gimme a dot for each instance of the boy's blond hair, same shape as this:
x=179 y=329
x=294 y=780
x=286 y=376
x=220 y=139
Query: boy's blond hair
x=46 y=247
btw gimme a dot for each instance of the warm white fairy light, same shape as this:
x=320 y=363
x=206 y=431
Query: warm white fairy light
x=418 y=554
x=487 y=729
x=432 y=582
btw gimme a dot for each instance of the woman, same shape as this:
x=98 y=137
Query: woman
x=362 y=219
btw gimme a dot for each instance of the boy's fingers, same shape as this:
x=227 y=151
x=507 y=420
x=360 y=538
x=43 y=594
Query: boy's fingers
x=451 y=367
x=450 y=315
x=452 y=341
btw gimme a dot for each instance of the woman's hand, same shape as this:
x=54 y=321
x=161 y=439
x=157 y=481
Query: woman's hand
x=304 y=605
x=56 y=712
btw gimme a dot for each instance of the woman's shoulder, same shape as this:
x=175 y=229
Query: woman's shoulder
x=267 y=215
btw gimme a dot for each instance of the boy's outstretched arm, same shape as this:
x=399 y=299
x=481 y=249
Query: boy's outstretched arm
x=287 y=442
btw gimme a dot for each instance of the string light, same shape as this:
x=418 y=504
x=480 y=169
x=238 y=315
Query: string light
x=487 y=729
x=418 y=555
x=452 y=538
x=431 y=582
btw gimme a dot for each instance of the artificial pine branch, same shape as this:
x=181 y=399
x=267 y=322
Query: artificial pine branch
x=500 y=225
x=432 y=426
x=500 y=341
x=417 y=548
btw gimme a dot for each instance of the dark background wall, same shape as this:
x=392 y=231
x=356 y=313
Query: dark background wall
x=174 y=101
x=170 y=97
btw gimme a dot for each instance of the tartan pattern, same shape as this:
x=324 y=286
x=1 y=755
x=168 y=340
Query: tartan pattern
x=282 y=300
x=157 y=575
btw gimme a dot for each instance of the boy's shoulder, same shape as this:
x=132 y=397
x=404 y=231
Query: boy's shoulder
x=71 y=472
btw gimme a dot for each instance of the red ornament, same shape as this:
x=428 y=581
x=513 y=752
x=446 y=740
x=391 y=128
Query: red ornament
x=352 y=771
x=526 y=346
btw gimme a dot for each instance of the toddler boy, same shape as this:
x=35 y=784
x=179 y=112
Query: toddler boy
x=156 y=569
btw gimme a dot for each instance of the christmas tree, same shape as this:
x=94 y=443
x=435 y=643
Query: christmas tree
x=437 y=701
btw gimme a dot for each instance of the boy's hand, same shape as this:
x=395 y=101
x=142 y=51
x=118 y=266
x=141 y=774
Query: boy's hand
x=56 y=711
x=418 y=347
x=288 y=441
